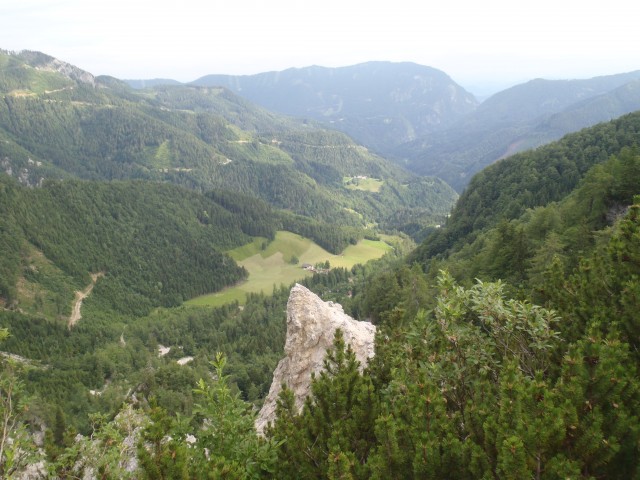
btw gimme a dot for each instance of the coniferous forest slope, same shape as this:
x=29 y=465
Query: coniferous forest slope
x=536 y=374
x=530 y=371
x=527 y=180
x=155 y=243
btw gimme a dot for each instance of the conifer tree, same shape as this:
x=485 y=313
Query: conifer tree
x=334 y=431
x=163 y=452
x=600 y=384
x=227 y=445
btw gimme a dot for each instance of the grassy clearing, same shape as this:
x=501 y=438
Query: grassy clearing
x=163 y=156
x=44 y=289
x=365 y=184
x=258 y=151
x=271 y=266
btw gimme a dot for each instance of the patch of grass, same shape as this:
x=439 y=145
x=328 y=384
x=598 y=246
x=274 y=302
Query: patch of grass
x=44 y=289
x=248 y=249
x=364 y=251
x=162 y=156
x=43 y=81
x=271 y=266
x=352 y=211
x=366 y=184
x=229 y=295
x=258 y=151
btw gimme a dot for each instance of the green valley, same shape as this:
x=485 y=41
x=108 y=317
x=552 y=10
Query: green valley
x=282 y=262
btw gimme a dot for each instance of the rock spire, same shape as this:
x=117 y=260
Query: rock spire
x=311 y=325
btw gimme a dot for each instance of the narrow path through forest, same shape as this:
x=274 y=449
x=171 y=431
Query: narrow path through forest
x=80 y=296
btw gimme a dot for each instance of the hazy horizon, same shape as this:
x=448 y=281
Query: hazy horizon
x=480 y=46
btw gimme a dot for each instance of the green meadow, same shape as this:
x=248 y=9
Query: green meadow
x=366 y=184
x=271 y=266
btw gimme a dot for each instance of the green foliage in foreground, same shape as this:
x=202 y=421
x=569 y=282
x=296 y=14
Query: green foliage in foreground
x=479 y=386
x=472 y=385
x=17 y=447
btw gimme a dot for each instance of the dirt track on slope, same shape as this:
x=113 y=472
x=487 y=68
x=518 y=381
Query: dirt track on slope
x=80 y=296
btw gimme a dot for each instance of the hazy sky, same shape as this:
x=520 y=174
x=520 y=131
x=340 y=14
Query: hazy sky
x=473 y=41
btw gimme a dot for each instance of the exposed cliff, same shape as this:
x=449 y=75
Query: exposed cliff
x=42 y=61
x=311 y=326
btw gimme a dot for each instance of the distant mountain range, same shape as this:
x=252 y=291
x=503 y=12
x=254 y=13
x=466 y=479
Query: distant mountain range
x=519 y=118
x=420 y=118
x=379 y=104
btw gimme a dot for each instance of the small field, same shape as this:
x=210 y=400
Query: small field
x=43 y=289
x=163 y=157
x=272 y=265
x=362 y=183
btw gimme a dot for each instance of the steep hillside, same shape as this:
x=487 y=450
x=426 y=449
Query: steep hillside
x=154 y=243
x=504 y=190
x=380 y=104
x=58 y=124
x=519 y=118
x=554 y=237
x=151 y=243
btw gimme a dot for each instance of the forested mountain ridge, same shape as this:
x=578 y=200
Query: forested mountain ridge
x=515 y=355
x=467 y=383
x=522 y=117
x=155 y=244
x=380 y=104
x=529 y=371
x=202 y=138
x=148 y=247
x=504 y=190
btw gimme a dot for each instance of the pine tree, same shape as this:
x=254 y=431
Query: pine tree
x=600 y=383
x=17 y=447
x=162 y=452
x=227 y=432
x=335 y=429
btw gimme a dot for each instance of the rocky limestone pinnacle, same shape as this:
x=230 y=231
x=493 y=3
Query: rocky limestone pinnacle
x=311 y=326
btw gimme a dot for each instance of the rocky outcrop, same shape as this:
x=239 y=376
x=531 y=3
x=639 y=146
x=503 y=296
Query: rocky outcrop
x=311 y=326
x=42 y=61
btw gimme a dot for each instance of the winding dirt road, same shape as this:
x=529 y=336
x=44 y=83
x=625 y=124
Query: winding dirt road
x=80 y=296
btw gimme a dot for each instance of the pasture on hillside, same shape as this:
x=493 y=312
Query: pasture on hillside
x=271 y=266
x=362 y=183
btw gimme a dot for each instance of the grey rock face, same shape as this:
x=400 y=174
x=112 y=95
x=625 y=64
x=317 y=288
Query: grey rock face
x=311 y=326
